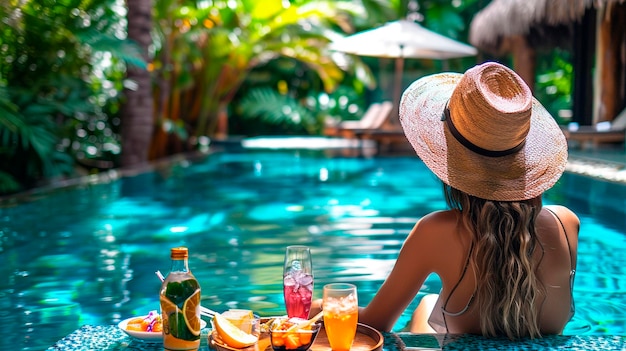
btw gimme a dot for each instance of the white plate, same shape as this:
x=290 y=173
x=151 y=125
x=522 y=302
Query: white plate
x=146 y=336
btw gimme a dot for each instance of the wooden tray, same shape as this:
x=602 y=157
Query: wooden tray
x=366 y=339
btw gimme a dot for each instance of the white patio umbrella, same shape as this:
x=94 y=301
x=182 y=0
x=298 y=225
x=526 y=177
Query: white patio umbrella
x=402 y=39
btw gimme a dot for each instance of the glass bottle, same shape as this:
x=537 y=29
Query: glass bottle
x=180 y=304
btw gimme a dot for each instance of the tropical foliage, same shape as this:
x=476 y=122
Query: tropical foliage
x=554 y=84
x=54 y=101
x=283 y=98
x=240 y=66
x=303 y=103
x=206 y=50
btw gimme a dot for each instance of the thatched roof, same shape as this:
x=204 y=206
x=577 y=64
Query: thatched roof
x=538 y=19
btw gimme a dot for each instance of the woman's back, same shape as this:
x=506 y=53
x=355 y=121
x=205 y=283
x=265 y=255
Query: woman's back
x=458 y=309
x=440 y=244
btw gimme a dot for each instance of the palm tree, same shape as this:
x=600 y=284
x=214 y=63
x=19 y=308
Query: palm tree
x=137 y=111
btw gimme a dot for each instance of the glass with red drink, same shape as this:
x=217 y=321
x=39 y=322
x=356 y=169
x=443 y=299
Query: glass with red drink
x=298 y=281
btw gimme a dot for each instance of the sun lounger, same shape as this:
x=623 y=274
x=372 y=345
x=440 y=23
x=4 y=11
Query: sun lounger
x=385 y=137
x=374 y=118
x=603 y=132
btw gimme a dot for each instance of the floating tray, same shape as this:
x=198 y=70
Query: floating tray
x=366 y=339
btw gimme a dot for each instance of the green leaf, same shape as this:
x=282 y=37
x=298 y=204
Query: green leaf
x=8 y=184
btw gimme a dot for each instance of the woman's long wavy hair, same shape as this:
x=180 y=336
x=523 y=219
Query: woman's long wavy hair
x=504 y=244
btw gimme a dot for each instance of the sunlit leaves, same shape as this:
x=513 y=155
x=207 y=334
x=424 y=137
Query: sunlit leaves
x=267 y=9
x=262 y=103
x=208 y=62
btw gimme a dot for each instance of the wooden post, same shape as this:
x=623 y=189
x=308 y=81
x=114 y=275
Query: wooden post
x=584 y=48
x=611 y=65
x=524 y=62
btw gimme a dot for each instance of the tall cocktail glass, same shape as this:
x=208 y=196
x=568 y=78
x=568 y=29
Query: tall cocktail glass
x=341 y=315
x=298 y=281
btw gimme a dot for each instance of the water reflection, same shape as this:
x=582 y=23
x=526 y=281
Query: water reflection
x=87 y=256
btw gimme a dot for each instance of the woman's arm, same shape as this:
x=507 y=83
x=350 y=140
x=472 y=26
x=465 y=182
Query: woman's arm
x=416 y=260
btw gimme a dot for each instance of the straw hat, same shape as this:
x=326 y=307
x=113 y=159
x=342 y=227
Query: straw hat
x=484 y=133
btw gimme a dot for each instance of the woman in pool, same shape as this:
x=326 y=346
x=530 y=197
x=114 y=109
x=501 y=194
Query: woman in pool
x=506 y=262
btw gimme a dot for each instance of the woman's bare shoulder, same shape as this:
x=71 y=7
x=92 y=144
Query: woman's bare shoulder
x=447 y=217
x=436 y=228
x=569 y=219
x=440 y=241
x=562 y=211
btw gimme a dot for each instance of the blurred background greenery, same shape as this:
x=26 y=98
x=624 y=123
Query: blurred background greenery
x=69 y=69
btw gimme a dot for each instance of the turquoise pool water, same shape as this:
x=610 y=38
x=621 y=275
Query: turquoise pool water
x=87 y=254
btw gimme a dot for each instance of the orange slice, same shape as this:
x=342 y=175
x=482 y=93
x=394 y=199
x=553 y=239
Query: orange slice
x=191 y=311
x=231 y=335
x=167 y=306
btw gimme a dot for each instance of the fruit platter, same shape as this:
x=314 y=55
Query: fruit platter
x=147 y=328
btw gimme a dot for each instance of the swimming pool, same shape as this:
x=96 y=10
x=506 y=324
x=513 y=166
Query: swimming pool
x=87 y=254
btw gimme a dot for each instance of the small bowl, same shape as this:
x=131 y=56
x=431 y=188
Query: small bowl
x=298 y=340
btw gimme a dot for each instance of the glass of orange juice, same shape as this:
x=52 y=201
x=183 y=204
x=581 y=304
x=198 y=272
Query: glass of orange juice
x=341 y=314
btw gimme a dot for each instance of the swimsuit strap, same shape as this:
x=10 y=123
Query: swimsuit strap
x=569 y=248
x=572 y=272
x=444 y=312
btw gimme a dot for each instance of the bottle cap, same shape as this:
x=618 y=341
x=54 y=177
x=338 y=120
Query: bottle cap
x=179 y=253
